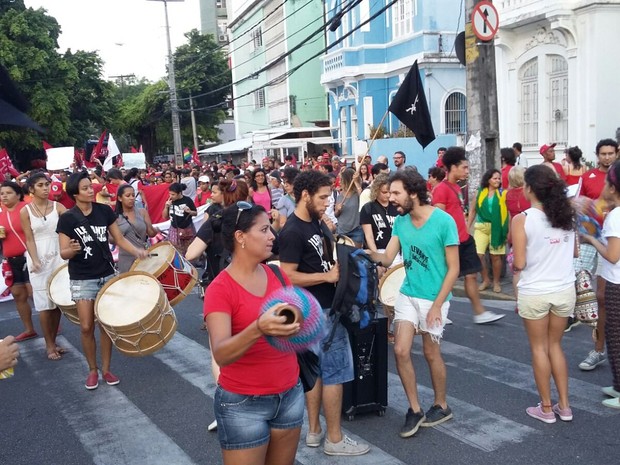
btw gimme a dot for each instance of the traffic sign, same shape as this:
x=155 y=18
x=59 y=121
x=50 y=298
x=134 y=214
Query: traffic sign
x=485 y=20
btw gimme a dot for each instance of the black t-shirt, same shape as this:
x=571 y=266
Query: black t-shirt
x=301 y=242
x=381 y=219
x=178 y=217
x=95 y=259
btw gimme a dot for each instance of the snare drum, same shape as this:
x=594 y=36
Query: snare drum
x=171 y=269
x=390 y=283
x=133 y=309
x=59 y=292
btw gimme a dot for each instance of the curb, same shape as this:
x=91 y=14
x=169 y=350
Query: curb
x=459 y=291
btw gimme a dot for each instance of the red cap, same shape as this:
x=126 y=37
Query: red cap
x=546 y=147
x=56 y=187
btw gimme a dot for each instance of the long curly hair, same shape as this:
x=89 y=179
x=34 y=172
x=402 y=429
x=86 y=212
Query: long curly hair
x=551 y=192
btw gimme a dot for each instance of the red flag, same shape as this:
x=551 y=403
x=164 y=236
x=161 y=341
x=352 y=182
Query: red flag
x=119 y=160
x=96 y=153
x=140 y=149
x=46 y=145
x=195 y=157
x=6 y=165
x=155 y=197
x=77 y=158
x=133 y=149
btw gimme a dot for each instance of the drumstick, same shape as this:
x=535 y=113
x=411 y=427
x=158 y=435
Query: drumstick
x=153 y=255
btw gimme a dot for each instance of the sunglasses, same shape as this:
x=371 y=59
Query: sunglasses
x=242 y=206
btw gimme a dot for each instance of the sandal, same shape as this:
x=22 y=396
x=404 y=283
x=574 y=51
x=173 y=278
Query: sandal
x=25 y=336
x=61 y=350
x=497 y=288
x=483 y=286
x=54 y=356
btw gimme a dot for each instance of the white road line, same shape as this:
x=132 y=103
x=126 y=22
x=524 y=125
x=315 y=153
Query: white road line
x=109 y=426
x=192 y=362
x=582 y=395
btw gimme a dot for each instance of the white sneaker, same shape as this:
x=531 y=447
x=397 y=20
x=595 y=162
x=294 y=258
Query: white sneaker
x=487 y=317
x=593 y=360
x=610 y=391
x=314 y=439
x=345 y=447
x=212 y=426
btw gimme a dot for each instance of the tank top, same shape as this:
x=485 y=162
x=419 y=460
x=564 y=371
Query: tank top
x=548 y=256
x=134 y=232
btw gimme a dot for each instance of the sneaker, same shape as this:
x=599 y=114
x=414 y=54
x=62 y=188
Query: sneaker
x=571 y=323
x=593 y=360
x=413 y=421
x=345 y=447
x=487 y=317
x=436 y=415
x=212 y=426
x=92 y=382
x=610 y=391
x=612 y=403
x=314 y=439
x=110 y=379
x=537 y=412
x=565 y=414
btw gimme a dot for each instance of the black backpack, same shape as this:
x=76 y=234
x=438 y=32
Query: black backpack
x=356 y=291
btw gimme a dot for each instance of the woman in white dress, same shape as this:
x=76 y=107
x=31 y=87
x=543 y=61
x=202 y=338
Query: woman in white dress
x=39 y=220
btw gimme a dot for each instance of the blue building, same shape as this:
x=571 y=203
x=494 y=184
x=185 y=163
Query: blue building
x=363 y=72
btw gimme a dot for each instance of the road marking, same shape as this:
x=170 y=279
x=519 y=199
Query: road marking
x=192 y=362
x=109 y=426
x=582 y=395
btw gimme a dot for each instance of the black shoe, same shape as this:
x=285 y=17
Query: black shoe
x=437 y=415
x=571 y=323
x=412 y=423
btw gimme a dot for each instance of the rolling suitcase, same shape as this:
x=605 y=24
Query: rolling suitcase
x=368 y=390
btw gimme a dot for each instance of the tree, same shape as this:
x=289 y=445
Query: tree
x=202 y=71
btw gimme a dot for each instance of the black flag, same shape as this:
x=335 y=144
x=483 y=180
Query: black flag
x=410 y=107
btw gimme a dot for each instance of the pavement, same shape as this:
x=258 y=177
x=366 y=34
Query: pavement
x=488 y=294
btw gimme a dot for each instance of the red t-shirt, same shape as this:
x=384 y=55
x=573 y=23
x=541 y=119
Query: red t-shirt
x=450 y=195
x=505 y=170
x=516 y=202
x=12 y=246
x=558 y=168
x=262 y=370
x=593 y=183
x=202 y=198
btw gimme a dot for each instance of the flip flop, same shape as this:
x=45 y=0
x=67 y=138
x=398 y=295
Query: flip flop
x=54 y=356
x=61 y=350
x=25 y=336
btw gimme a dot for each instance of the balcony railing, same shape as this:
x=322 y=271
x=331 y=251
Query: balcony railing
x=333 y=63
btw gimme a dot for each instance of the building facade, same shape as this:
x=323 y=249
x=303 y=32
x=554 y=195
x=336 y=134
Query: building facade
x=275 y=80
x=214 y=20
x=557 y=66
x=362 y=73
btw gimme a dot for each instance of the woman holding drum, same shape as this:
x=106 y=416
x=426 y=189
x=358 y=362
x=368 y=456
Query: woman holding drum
x=14 y=250
x=259 y=401
x=39 y=220
x=83 y=235
x=180 y=210
x=135 y=224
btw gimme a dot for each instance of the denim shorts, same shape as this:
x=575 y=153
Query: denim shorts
x=337 y=362
x=87 y=289
x=245 y=421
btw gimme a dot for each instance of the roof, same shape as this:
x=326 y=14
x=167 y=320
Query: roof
x=239 y=145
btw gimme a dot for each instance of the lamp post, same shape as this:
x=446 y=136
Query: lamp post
x=174 y=103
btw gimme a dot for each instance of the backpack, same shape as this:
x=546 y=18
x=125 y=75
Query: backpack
x=356 y=291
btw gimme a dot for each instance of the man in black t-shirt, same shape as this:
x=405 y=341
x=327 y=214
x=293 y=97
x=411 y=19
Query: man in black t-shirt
x=305 y=249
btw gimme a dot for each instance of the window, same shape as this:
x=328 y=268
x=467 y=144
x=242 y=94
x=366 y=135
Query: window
x=343 y=131
x=259 y=99
x=257 y=38
x=354 y=125
x=456 y=113
x=529 y=103
x=558 y=93
x=402 y=18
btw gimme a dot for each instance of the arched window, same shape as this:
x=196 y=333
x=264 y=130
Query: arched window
x=529 y=103
x=456 y=113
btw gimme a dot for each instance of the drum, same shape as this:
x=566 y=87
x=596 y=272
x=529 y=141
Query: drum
x=390 y=283
x=171 y=269
x=59 y=292
x=342 y=240
x=134 y=310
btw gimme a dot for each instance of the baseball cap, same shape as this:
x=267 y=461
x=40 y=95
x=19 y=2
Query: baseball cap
x=203 y=179
x=546 y=147
x=275 y=174
x=56 y=187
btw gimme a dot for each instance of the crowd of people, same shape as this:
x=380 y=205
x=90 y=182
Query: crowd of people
x=255 y=213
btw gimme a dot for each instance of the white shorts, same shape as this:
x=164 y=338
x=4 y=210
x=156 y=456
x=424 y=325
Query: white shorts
x=415 y=311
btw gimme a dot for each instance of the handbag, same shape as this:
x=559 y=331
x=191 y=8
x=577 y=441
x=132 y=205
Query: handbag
x=309 y=362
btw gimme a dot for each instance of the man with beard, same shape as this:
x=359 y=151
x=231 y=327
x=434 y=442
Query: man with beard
x=429 y=242
x=305 y=258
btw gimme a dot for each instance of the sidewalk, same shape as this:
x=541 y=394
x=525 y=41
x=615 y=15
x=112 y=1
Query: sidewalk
x=506 y=294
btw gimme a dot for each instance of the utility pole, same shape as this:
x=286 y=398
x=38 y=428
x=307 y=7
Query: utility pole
x=481 y=91
x=191 y=109
x=174 y=103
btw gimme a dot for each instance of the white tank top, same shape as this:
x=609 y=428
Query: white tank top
x=548 y=256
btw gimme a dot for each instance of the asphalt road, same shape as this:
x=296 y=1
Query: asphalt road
x=160 y=411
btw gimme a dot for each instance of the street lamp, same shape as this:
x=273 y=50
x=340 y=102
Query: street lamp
x=174 y=103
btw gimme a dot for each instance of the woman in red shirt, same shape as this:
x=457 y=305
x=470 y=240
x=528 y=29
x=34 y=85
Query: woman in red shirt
x=14 y=251
x=259 y=400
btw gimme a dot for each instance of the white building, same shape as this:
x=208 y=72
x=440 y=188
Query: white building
x=558 y=64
